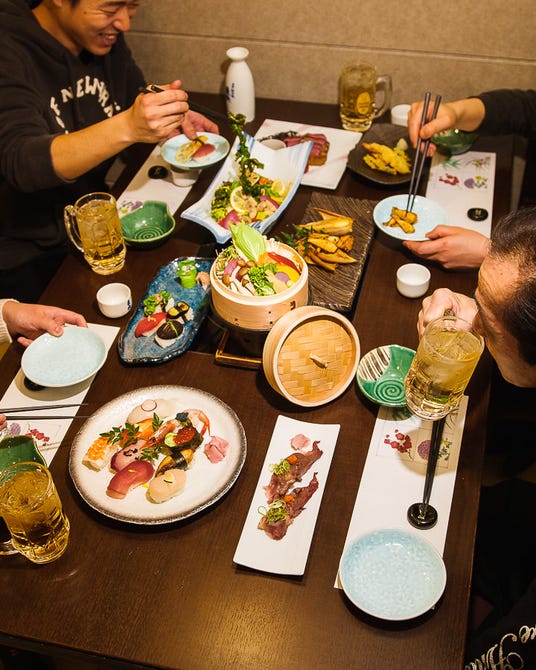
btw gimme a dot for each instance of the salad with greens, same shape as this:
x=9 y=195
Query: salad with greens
x=253 y=265
x=250 y=197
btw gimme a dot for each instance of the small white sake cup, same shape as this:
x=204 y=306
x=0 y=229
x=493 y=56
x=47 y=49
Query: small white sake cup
x=274 y=143
x=412 y=280
x=114 y=300
x=399 y=115
x=184 y=178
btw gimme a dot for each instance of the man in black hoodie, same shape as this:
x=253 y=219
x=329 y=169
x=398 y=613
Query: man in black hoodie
x=70 y=103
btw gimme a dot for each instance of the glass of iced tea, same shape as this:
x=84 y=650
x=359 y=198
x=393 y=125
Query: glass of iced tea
x=444 y=362
x=94 y=227
x=33 y=513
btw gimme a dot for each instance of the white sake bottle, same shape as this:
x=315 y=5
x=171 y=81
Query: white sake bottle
x=239 y=86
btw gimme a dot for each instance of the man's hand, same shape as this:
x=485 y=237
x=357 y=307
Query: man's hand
x=455 y=248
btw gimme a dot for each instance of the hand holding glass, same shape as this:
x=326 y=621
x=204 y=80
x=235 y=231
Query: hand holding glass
x=444 y=362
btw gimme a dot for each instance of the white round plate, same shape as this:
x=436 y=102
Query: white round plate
x=392 y=574
x=206 y=482
x=62 y=361
x=429 y=214
x=169 y=150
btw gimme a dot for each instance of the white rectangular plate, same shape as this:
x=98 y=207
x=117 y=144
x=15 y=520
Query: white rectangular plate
x=287 y=556
x=341 y=142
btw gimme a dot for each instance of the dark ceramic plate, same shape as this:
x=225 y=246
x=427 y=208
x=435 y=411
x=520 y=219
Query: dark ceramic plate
x=143 y=350
x=382 y=133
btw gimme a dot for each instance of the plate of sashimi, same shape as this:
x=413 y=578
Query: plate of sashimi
x=157 y=454
x=282 y=516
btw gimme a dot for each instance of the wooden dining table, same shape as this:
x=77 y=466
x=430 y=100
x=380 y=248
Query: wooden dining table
x=170 y=596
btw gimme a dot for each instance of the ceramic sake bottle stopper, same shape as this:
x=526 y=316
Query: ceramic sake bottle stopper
x=239 y=86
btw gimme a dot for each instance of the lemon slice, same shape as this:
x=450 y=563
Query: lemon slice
x=278 y=187
x=237 y=200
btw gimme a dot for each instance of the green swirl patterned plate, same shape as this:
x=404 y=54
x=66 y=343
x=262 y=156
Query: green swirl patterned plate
x=381 y=373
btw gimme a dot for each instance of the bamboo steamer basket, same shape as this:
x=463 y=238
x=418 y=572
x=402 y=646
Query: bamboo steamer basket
x=311 y=355
x=260 y=313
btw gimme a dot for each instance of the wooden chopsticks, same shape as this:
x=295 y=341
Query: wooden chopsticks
x=420 y=156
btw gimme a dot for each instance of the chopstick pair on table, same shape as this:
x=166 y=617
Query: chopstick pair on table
x=212 y=113
x=420 y=156
x=12 y=412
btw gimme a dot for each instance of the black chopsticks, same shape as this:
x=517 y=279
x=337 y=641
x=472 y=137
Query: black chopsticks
x=10 y=410
x=420 y=156
x=206 y=111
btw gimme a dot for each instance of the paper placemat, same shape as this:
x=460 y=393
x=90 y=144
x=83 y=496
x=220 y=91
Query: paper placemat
x=341 y=142
x=464 y=182
x=394 y=473
x=49 y=433
x=142 y=187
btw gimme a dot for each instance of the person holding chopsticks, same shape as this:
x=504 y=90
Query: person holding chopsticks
x=504 y=572
x=499 y=112
x=70 y=104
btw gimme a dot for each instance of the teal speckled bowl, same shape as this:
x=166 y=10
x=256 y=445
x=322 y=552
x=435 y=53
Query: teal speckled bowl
x=453 y=141
x=148 y=226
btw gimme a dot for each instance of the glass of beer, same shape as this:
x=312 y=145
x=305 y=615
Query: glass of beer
x=94 y=228
x=32 y=511
x=358 y=89
x=443 y=364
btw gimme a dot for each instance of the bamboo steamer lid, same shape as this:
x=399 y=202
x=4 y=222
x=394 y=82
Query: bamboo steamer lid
x=311 y=355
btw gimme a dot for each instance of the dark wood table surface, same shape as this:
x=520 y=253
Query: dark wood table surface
x=171 y=596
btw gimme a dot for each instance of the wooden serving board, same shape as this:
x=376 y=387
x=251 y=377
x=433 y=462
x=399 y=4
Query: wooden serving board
x=337 y=290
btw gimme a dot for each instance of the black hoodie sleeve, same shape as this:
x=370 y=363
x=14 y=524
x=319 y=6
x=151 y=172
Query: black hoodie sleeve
x=509 y=111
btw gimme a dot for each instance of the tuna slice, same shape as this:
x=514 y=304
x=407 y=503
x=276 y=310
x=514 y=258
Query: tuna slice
x=287 y=509
x=290 y=470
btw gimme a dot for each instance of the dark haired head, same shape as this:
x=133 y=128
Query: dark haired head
x=514 y=239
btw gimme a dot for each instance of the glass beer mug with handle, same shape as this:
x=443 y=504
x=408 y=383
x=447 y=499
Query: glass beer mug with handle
x=359 y=86
x=94 y=228
x=446 y=357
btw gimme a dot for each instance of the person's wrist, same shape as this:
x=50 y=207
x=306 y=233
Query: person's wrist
x=5 y=335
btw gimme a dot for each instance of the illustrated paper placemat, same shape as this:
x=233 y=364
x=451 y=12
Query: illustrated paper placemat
x=341 y=142
x=49 y=433
x=142 y=187
x=461 y=184
x=395 y=469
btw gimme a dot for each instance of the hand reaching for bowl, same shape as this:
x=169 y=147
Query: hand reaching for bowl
x=30 y=321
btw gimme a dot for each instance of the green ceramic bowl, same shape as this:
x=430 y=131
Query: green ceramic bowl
x=148 y=226
x=453 y=141
x=381 y=373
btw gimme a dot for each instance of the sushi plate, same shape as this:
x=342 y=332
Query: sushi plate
x=144 y=350
x=206 y=482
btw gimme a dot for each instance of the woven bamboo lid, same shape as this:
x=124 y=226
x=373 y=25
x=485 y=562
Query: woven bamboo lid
x=310 y=356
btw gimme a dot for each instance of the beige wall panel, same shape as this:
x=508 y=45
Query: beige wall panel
x=461 y=27
x=311 y=73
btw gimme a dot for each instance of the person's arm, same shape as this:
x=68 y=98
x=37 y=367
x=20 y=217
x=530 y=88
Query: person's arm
x=455 y=248
x=153 y=117
x=465 y=114
x=30 y=321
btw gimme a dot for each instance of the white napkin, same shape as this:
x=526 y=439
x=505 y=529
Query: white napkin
x=142 y=187
x=341 y=142
x=463 y=182
x=49 y=433
x=392 y=480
